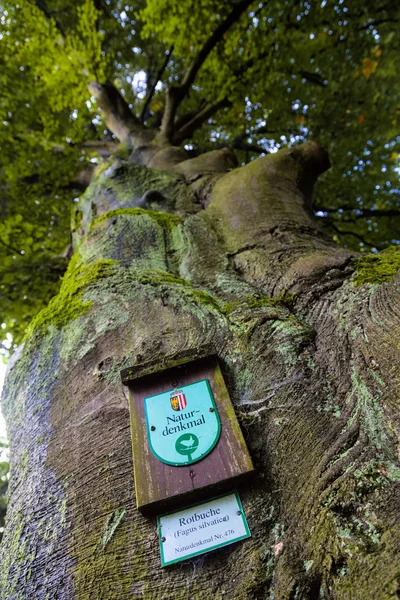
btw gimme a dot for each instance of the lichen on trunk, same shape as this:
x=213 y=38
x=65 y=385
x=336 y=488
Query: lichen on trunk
x=308 y=349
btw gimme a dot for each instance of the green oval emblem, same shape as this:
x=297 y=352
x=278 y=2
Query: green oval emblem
x=187 y=445
x=183 y=425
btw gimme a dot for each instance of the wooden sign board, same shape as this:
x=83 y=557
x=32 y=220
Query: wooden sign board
x=186 y=468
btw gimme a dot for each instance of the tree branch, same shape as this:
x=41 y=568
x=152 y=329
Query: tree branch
x=362 y=213
x=244 y=67
x=102 y=7
x=376 y=23
x=157 y=79
x=239 y=145
x=181 y=120
x=187 y=130
x=10 y=247
x=176 y=94
x=117 y=114
x=102 y=147
x=41 y=6
x=258 y=131
x=352 y=233
x=213 y=40
x=78 y=183
x=314 y=78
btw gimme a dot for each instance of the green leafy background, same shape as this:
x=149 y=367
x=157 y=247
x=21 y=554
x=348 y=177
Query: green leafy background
x=287 y=70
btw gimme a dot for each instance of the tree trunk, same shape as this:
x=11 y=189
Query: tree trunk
x=168 y=260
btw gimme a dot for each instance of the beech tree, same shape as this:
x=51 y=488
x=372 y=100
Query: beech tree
x=183 y=135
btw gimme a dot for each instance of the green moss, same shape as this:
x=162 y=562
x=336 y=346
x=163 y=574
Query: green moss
x=129 y=185
x=229 y=307
x=155 y=277
x=167 y=220
x=257 y=302
x=102 y=571
x=113 y=297
x=205 y=299
x=68 y=305
x=23 y=462
x=284 y=298
x=258 y=574
x=10 y=568
x=350 y=532
x=124 y=150
x=103 y=165
x=377 y=268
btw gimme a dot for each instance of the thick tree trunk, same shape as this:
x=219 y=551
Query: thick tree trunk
x=198 y=253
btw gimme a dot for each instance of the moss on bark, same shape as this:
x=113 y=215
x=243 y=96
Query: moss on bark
x=166 y=220
x=68 y=304
x=311 y=376
x=377 y=268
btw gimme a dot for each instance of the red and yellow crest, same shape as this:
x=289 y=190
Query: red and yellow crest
x=178 y=400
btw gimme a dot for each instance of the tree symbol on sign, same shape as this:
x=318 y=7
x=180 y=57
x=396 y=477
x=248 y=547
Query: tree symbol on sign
x=186 y=445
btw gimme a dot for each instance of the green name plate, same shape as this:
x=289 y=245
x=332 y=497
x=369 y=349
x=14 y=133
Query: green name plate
x=183 y=425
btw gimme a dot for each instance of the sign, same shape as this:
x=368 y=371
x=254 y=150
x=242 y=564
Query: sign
x=193 y=461
x=202 y=528
x=183 y=425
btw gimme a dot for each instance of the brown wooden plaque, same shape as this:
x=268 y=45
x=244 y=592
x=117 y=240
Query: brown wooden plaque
x=161 y=486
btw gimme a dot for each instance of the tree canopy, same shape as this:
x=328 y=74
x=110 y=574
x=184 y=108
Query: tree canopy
x=79 y=80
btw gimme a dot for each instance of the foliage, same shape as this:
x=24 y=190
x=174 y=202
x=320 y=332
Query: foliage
x=282 y=72
x=39 y=278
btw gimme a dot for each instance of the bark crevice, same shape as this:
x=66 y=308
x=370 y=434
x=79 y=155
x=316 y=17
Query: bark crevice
x=312 y=374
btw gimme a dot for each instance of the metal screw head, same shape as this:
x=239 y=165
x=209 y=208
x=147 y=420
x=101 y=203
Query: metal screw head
x=152 y=428
x=163 y=539
x=238 y=512
x=211 y=409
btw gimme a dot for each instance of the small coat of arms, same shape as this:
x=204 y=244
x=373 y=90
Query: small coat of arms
x=178 y=400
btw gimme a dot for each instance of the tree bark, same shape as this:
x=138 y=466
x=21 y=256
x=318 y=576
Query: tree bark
x=202 y=252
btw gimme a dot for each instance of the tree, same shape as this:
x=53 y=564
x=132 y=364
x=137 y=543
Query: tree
x=178 y=246
x=4 y=469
